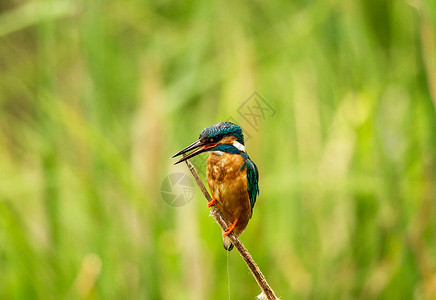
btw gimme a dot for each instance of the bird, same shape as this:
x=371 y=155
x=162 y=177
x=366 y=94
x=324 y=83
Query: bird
x=232 y=176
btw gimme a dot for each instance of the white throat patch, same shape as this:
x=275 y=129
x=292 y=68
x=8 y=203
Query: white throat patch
x=239 y=146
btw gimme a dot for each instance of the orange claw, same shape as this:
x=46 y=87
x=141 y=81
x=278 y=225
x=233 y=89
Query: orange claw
x=230 y=228
x=211 y=202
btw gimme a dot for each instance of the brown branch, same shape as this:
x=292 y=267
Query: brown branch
x=223 y=223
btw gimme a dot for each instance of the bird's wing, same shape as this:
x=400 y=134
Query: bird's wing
x=252 y=181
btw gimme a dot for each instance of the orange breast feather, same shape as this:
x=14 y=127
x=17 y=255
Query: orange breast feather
x=228 y=185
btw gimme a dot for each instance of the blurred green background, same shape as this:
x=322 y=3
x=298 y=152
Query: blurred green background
x=95 y=96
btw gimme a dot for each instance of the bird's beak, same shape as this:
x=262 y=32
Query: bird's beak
x=202 y=147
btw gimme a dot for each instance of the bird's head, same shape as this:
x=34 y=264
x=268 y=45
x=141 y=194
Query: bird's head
x=215 y=138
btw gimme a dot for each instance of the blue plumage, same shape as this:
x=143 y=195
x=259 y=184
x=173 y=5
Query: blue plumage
x=218 y=131
x=252 y=179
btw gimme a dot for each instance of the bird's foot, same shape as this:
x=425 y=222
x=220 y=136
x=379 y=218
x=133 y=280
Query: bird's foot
x=211 y=202
x=230 y=228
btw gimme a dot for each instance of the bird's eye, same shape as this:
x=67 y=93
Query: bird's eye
x=213 y=139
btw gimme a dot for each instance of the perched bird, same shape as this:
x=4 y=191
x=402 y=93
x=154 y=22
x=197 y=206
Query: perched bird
x=231 y=175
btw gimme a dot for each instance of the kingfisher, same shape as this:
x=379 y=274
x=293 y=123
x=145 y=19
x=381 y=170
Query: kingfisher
x=231 y=175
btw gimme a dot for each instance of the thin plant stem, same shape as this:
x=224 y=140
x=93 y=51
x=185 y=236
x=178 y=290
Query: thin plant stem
x=223 y=223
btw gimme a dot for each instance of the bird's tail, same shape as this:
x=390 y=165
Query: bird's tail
x=227 y=243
